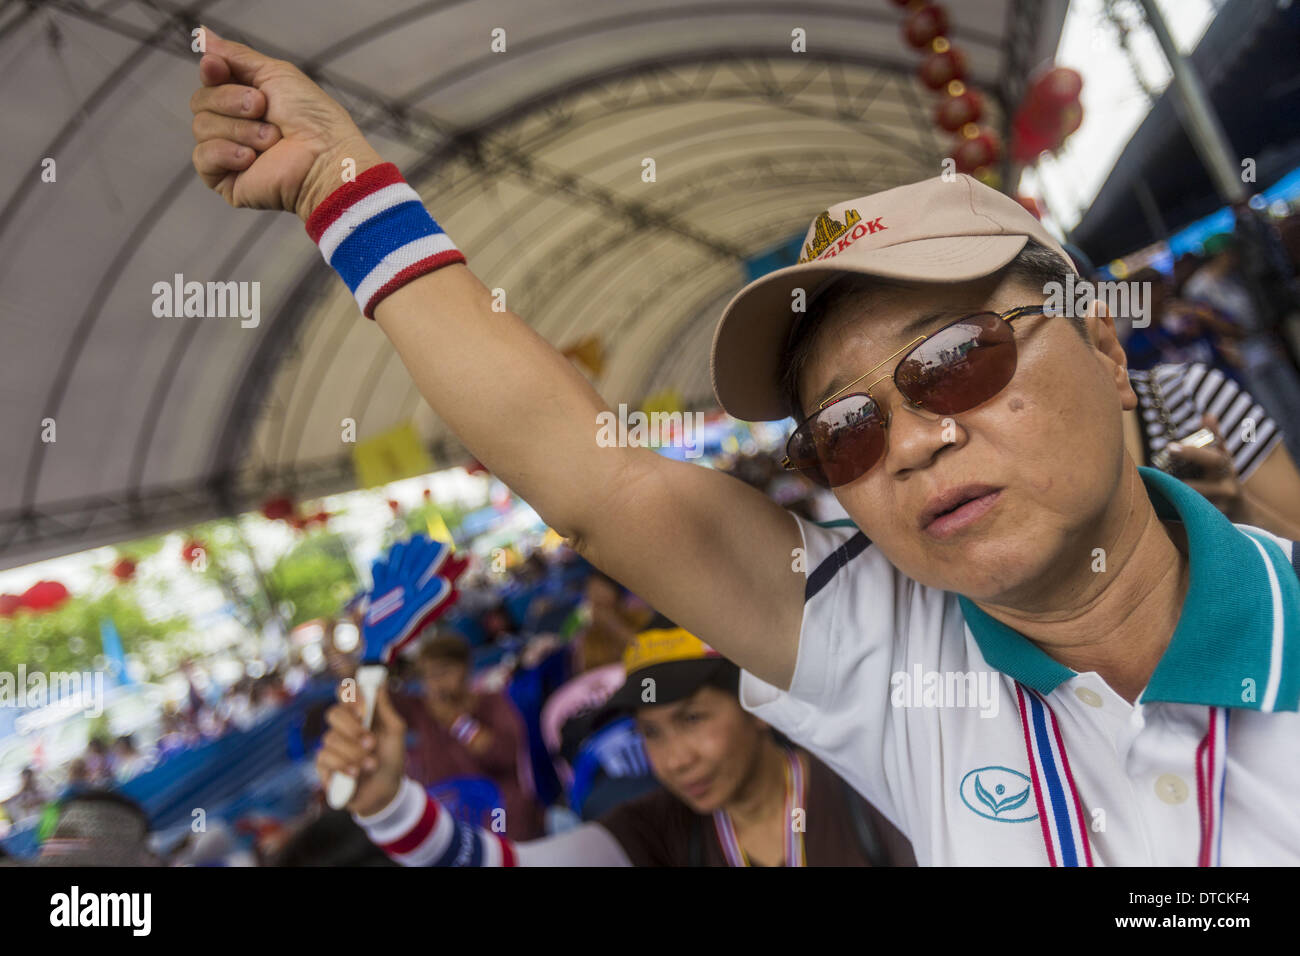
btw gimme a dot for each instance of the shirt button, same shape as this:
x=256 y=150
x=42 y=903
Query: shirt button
x=1088 y=696
x=1170 y=788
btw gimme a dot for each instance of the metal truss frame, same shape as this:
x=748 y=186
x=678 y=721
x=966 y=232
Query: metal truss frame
x=456 y=159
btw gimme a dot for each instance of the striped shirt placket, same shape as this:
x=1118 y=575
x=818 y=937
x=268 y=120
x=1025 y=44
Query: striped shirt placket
x=1060 y=811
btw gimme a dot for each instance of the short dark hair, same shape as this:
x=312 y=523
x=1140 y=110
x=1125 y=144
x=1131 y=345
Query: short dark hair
x=98 y=797
x=1035 y=265
x=445 y=645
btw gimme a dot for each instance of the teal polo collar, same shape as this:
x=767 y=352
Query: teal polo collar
x=1237 y=643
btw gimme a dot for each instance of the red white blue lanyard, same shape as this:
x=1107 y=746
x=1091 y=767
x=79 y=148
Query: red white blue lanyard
x=794 y=800
x=1060 y=811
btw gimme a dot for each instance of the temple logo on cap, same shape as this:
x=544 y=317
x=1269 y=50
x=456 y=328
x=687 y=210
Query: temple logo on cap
x=826 y=230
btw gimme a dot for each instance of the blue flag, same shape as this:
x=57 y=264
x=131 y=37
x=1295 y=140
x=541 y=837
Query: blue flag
x=113 y=651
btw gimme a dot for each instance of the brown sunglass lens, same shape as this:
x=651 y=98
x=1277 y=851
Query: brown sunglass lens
x=840 y=443
x=961 y=366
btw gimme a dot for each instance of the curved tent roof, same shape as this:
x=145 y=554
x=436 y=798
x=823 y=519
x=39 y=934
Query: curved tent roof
x=531 y=159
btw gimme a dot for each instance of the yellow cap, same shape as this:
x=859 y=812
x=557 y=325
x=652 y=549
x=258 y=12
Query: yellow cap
x=663 y=646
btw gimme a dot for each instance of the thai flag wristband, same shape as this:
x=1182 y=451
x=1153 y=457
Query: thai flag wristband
x=416 y=830
x=377 y=235
x=465 y=728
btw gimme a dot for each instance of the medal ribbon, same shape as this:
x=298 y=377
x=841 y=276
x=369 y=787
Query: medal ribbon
x=795 y=854
x=1060 y=811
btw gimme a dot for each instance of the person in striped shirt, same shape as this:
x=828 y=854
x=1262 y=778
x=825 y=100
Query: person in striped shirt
x=1247 y=472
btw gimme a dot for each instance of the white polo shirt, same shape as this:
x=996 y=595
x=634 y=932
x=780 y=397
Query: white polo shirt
x=887 y=691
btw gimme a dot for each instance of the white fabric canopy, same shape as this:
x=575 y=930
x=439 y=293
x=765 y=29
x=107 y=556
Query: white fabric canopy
x=531 y=159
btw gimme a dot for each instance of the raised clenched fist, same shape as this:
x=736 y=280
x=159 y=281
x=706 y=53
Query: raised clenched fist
x=268 y=137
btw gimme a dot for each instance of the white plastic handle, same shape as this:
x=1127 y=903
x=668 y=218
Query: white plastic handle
x=370 y=677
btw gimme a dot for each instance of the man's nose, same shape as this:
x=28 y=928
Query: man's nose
x=916 y=436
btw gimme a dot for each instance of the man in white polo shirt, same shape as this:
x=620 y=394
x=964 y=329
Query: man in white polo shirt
x=1145 y=652
x=980 y=744
x=1116 y=782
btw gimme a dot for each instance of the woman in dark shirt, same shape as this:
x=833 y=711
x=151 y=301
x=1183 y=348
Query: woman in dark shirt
x=733 y=794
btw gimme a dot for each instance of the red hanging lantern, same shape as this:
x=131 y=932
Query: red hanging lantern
x=1049 y=113
x=44 y=596
x=1056 y=88
x=124 y=569
x=1027 y=142
x=954 y=112
x=983 y=148
x=192 y=550
x=9 y=604
x=277 y=509
x=923 y=24
x=939 y=69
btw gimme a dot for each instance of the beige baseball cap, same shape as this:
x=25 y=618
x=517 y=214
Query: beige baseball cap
x=937 y=230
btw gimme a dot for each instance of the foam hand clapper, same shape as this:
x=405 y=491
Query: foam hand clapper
x=413 y=584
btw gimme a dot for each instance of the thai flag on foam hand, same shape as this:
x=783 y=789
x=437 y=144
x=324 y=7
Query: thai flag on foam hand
x=1060 y=811
x=413 y=584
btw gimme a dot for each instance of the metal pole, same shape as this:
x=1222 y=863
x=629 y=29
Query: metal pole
x=1151 y=210
x=1198 y=117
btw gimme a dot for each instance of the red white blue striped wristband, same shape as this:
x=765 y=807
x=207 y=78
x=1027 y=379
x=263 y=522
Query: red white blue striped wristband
x=415 y=830
x=464 y=728
x=377 y=235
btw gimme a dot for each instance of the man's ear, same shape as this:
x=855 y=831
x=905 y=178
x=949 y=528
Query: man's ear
x=1102 y=335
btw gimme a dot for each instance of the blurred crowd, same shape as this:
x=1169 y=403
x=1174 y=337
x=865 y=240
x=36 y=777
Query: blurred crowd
x=506 y=698
x=186 y=725
x=1228 y=308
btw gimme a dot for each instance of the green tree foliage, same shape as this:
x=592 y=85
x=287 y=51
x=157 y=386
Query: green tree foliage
x=67 y=638
x=314 y=578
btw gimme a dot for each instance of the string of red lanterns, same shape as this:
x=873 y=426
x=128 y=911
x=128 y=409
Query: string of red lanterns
x=1049 y=113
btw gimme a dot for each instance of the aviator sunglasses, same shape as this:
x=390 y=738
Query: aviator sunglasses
x=960 y=366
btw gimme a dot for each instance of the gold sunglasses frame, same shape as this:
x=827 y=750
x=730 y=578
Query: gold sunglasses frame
x=1009 y=316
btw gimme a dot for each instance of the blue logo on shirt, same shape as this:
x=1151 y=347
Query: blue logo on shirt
x=999 y=793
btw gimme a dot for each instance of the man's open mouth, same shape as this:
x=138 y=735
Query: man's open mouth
x=957 y=508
